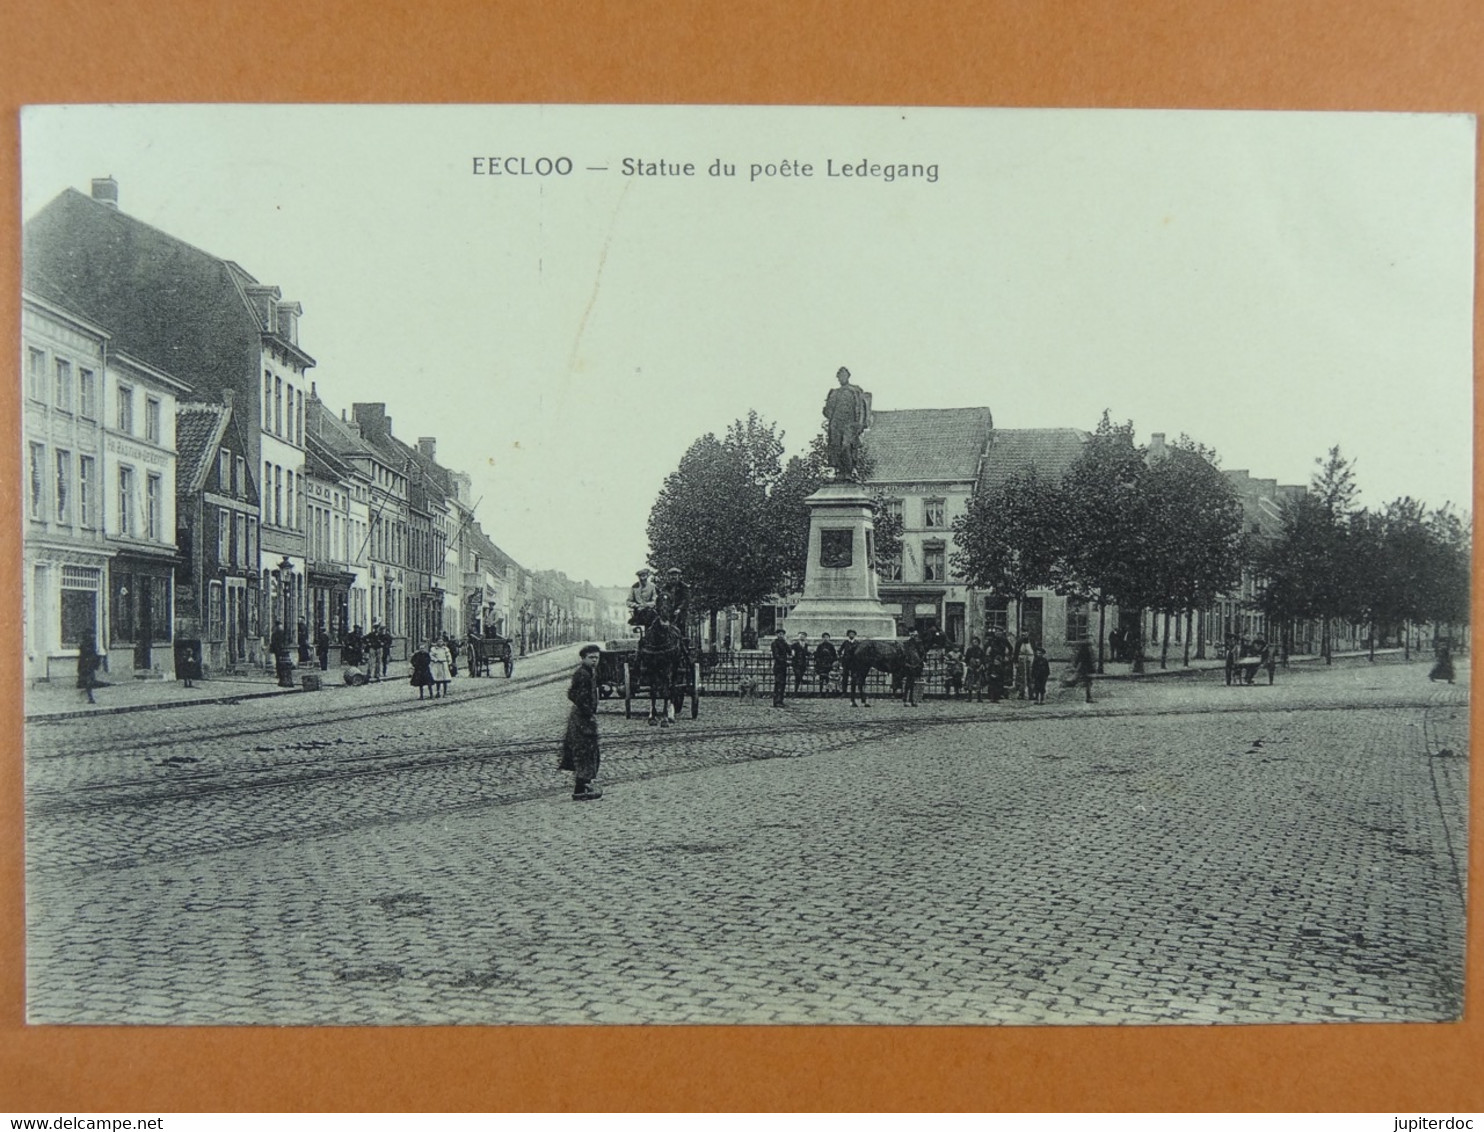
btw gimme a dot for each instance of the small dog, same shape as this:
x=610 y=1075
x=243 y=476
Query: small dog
x=747 y=690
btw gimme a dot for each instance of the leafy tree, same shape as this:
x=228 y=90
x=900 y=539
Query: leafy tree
x=1334 y=482
x=1193 y=534
x=889 y=527
x=1309 y=569
x=712 y=518
x=1011 y=540
x=802 y=476
x=1102 y=535
x=1445 y=581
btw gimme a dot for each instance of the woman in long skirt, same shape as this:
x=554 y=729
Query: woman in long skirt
x=1442 y=669
x=580 y=744
x=422 y=672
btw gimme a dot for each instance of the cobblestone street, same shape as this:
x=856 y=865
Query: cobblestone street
x=1179 y=851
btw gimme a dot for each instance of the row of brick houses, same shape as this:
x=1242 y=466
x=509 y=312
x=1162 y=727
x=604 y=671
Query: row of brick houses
x=187 y=483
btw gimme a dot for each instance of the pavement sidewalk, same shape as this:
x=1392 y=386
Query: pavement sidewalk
x=61 y=699
x=1177 y=666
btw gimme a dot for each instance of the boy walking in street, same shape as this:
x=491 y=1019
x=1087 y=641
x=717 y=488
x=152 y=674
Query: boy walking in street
x=580 y=744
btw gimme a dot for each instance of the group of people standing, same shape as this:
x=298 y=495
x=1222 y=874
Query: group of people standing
x=370 y=651
x=800 y=659
x=434 y=666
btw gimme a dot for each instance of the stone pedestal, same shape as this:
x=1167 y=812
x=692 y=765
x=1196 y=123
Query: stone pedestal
x=840 y=585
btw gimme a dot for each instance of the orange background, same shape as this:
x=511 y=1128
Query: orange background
x=1272 y=54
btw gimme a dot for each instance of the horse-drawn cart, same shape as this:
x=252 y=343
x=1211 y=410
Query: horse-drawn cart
x=622 y=673
x=487 y=652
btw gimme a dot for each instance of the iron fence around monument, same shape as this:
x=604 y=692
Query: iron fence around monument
x=722 y=674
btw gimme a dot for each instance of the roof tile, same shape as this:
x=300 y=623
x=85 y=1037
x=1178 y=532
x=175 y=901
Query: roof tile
x=936 y=445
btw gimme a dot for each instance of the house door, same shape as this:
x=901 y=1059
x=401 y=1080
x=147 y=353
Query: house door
x=1030 y=621
x=145 y=631
x=955 y=610
x=234 y=621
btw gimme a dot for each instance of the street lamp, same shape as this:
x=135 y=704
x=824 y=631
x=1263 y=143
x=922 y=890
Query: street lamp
x=285 y=584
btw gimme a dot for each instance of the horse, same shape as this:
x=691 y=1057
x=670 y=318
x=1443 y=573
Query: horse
x=892 y=657
x=663 y=659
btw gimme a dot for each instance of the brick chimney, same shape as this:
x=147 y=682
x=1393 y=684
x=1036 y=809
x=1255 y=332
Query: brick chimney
x=106 y=192
x=428 y=446
x=371 y=416
x=1156 y=446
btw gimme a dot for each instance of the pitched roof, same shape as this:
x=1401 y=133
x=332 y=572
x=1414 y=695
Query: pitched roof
x=935 y=445
x=1050 y=451
x=322 y=461
x=341 y=438
x=1262 y=501
x=167 y=302
x=199 y=429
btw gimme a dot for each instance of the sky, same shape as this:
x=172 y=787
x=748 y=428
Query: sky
x=1270 y=284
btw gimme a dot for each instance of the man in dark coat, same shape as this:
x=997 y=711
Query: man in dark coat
x=677 y=593
x=1083 y=666
x=353 y=653
x=913 y=655
x=322 y=648
x=847 y=650
x=997 y=672
x=279 y=645
x=373 y=651
x=386 y=650
x=975 y=659
x=799 y=654
x=1267 y=657
x=87 y=666
x=303 y=641
x=824 y=662
x=580 y=744
x=780 y=653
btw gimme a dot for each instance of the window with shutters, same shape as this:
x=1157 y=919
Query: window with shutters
x=86 y=478
x=64 y=486
x=38 y=481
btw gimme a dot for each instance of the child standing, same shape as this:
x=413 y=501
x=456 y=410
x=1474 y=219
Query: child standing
x=1040 y=673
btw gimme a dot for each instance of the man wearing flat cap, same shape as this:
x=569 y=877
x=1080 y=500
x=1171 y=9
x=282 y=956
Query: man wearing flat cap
x=643 y=596
x=677 y=596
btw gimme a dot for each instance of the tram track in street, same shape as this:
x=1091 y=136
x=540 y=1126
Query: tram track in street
x=39 y=749
x=388 y=785
x=396 y=757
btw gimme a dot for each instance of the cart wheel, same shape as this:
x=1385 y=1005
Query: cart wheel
x=628 y=692
x=695 y=691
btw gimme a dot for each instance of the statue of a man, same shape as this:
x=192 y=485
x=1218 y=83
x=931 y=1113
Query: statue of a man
x=847 y=413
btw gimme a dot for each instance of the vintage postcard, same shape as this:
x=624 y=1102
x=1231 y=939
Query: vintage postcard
x=745 y=565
